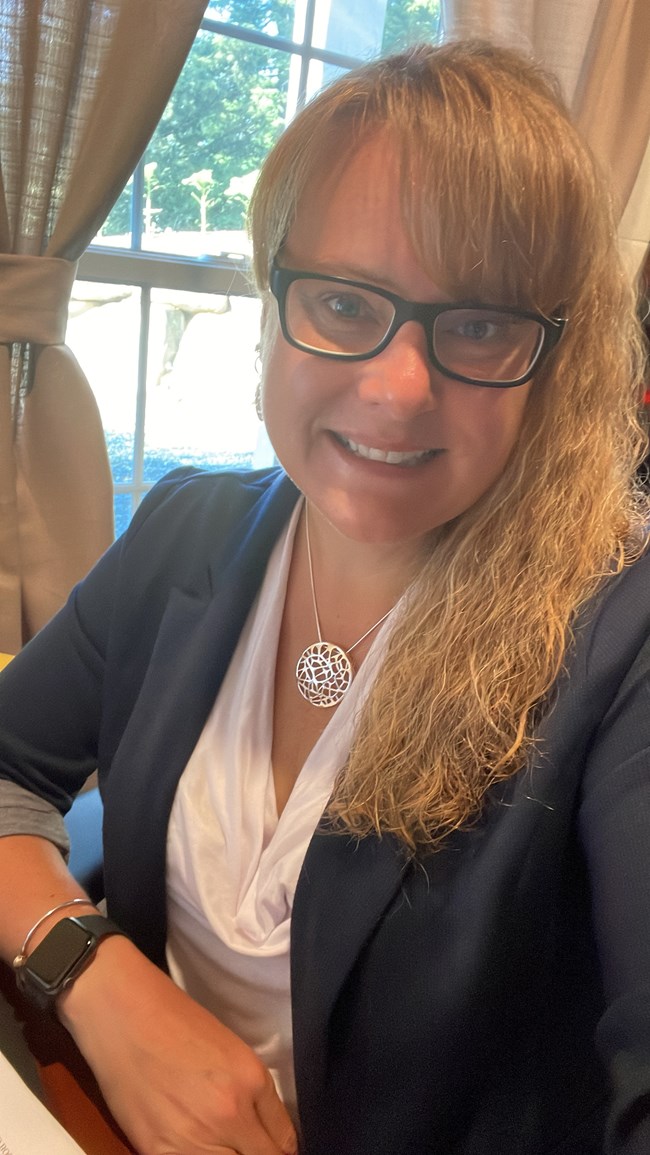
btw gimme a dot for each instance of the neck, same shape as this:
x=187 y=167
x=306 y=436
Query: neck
x=380 y=570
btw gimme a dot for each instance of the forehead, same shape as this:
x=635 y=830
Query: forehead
x=350 y=221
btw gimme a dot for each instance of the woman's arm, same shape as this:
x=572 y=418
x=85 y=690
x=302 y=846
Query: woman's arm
x=173 y=1076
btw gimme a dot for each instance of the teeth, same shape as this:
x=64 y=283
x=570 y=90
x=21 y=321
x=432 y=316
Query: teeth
x=390 y=457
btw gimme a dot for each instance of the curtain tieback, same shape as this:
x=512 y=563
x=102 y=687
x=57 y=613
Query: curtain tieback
x=34 y=297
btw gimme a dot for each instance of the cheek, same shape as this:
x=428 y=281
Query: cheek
x=297 y=385
x=275 y=373
x=492 y=420
x=289 y=400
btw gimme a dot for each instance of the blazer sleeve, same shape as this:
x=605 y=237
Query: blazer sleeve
x=51 y=694
x=614 y=822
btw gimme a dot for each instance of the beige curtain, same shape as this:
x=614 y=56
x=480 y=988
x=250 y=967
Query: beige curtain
x=600 y=52
x=82 y=86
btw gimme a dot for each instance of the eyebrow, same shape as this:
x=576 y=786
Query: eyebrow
x=351 y=272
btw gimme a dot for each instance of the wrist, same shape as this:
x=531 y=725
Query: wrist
x=46 y=922
x=64 y=952
x=113 y=983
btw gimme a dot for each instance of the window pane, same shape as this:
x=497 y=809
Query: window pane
x=351 y=29
x=103 y=333
x=410 y=21
x=226 y=111
x=201 y=382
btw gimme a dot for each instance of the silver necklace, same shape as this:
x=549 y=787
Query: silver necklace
x=324 y=671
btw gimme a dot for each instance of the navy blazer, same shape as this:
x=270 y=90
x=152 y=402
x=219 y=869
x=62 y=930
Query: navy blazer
x=493 y=997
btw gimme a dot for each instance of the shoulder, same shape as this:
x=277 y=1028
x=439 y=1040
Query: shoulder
x=200 y=515
x=221 y=497
x=600 y=714
x=616 y=622
x=606 y=673
x=187 y=530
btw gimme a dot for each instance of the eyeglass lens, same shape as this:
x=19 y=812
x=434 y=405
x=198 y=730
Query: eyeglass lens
x=478 y=343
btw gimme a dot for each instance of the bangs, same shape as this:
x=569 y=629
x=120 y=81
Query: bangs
x=497 y=201
x=502 y=200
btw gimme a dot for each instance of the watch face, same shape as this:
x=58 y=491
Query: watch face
x=54 y=958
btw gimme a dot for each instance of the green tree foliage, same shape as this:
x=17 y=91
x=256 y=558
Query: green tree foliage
x=226 y=111
x=224 y=114
x=261 y=15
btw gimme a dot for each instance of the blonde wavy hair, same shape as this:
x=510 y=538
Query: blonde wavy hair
x=503 y=203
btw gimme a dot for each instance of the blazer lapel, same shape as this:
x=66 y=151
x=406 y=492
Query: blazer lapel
x=195 y=641
x=345 y=886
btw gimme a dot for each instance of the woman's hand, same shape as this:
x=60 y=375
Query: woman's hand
x=176 y=1080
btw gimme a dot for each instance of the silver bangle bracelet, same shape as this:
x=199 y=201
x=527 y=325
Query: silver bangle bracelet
x=21 y=957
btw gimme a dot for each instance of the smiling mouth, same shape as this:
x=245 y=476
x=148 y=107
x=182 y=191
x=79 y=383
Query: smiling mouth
x=407 y=459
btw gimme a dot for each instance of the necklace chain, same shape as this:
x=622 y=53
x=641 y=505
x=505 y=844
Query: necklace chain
x=324 y=670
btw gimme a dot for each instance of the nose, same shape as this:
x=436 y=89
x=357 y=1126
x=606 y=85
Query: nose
x=401 y=377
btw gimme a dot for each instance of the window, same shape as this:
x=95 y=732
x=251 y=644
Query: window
x=162 y=319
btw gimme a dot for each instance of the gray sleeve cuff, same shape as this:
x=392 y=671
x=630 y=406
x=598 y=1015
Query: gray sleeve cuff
x=22 y=812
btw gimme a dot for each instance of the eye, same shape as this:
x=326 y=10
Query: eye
x=478 y=329
x=339 y=316
x=346 y=305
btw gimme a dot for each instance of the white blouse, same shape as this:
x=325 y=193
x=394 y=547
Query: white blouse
x=232 y=864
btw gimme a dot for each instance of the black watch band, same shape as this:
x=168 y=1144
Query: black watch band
x=61 y=956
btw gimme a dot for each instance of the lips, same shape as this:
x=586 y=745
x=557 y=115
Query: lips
x=404 y=458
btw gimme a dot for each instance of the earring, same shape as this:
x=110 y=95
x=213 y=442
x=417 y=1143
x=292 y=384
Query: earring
x=258 y=387
x=258 y=402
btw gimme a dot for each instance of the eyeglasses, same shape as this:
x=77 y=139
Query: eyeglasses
x=347 y=320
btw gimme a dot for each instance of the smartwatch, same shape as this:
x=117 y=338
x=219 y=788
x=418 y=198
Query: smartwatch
x=61 y=956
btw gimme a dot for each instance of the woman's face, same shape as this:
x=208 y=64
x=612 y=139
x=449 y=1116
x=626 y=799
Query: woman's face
x=386 y=449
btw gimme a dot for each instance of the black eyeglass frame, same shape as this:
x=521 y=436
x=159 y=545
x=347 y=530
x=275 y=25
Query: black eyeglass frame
x=425 y=314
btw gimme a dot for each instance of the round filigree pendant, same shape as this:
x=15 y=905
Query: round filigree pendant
x=323 y=674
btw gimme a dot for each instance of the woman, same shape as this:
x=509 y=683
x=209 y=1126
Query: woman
x=372 y=728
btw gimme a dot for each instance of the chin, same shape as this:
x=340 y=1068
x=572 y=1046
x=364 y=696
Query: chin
x=378 y=529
